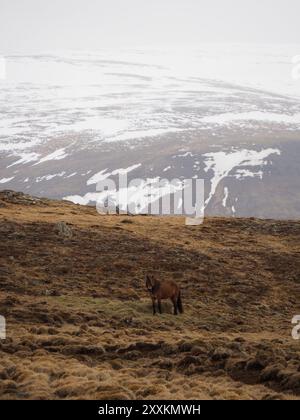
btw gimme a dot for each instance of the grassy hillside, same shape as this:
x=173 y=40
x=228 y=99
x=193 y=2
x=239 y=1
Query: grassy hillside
x=79 y=320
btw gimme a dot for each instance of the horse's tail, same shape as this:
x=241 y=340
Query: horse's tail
x=179 y=303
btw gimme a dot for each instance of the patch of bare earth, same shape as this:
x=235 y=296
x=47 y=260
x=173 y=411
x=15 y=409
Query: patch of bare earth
x=79 y=321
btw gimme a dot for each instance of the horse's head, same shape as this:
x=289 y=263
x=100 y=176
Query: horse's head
x=150 y=282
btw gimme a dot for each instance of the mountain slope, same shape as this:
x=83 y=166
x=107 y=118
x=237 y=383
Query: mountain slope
x=79 y=321
x=66 y=119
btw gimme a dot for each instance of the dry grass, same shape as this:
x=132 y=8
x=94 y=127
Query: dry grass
x=79 y=321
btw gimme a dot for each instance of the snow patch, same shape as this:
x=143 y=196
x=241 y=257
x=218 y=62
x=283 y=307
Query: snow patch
x=222 y=163
x=57 y=155
x=244 y=173
x=101 y=176
x=25 y=158
x=259 y=116
x=5 y=180
x=139 y=196
x=49 y=177
x=226 y=192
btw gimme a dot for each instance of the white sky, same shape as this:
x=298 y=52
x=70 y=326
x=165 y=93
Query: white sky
x=28 y=25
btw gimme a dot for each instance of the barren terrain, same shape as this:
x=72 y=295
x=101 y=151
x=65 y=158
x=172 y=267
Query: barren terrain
x=79 y=320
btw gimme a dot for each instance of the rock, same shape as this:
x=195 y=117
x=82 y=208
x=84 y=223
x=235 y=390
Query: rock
x=64 y=230
x=14 y=197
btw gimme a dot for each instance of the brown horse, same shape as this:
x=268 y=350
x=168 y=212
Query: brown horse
x=167 y=289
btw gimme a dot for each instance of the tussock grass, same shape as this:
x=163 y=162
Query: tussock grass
x=80 y=321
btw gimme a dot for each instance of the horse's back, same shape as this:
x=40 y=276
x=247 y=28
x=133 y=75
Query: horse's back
x=168 y=288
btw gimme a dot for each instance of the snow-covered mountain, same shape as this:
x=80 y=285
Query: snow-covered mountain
x=227 y=114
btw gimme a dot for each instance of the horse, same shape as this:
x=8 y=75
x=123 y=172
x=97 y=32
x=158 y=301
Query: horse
x=166 y=289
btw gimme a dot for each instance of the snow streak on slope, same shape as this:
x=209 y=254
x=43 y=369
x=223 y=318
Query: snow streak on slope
x=123 y=95
x=222 y=163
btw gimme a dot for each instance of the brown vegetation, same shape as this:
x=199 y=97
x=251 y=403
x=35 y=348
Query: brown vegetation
x=79 y=318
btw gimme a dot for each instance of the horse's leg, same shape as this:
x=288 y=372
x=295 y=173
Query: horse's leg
x=153 y=305
x=159 y=305
x=174 y=300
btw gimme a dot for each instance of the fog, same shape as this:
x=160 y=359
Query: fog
x=28 y=25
